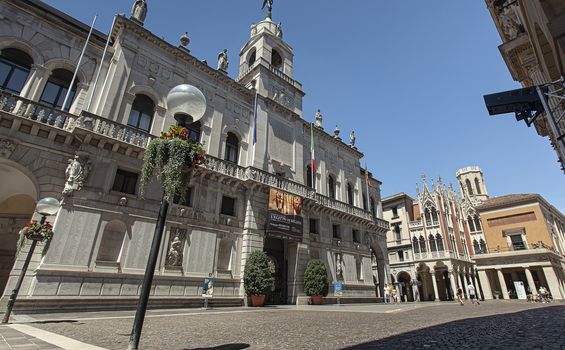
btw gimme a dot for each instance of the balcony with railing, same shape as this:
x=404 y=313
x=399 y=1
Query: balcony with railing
x=520 y=247
x=415 y=224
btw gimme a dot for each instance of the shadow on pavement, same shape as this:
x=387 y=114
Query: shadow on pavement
x=55 y=321
x=531 y=329
x=235 y=346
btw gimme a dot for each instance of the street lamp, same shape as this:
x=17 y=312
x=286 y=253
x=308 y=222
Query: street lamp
x=187 y=104
x=45 y=207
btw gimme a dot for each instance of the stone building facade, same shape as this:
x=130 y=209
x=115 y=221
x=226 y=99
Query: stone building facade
x=433 y=238
x=89 y=152
x=533 y=48
x=526 y=239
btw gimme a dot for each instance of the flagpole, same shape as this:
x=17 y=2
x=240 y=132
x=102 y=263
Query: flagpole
x=101 y=64
x=78 y=64
x=312 y=166
x=254 y=136
x=367 y=186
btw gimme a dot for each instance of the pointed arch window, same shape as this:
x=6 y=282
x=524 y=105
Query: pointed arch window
x=471 y=224
x=434 y=216
x=141 y=114
x=428 y=217
x=477 y=223
x=469 y=188
x=453 y=244
x=331 y=186
x=432 y=240
x=483 y=246
x=349 y=194
x=55 y=90
x=423 y=244
x=415 y=245
x=477 y=186
x=232 y=148
x=476 y=247
x=14 y=69
x=439 y=242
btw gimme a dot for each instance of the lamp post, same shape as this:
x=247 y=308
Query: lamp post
x=46 y=206
x=187 y=104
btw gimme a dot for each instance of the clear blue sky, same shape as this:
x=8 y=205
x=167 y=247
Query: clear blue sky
x=407 y=76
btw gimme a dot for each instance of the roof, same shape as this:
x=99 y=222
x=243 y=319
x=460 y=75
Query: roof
x=515 y=199
x=396 y=196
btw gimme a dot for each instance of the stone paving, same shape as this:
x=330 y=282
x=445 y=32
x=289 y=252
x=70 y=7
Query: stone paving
x=492 y=325
x=12 y=339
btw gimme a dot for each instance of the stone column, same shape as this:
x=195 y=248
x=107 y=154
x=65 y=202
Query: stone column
x=463 y=285
x=530 y=279
x=502 y=282
x=476 y=284
x=434 y=282
x=485 y=284
x=452 y=279
x=553 y=283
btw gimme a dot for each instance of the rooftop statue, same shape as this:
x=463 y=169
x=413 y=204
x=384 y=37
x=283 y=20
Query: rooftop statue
x=269 y=5
x=223 y=60
x=139 y=11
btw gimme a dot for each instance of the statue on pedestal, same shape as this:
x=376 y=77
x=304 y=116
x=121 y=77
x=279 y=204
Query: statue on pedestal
x=352 y=139
x=223 y=61
x=319 y=119
x=269 y=5
x=139 y=11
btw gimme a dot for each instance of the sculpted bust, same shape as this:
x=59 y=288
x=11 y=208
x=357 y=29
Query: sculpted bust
x=139 y=11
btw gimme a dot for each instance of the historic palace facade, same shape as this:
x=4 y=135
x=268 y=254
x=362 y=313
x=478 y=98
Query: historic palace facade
x=433 y=238
x=88 y=153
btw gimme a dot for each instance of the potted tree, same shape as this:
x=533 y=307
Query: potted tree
x=257 y=277
x=316 y=281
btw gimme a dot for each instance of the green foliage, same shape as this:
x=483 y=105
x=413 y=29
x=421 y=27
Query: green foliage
x=172 y=157
x=316 y=278
x=257 y=277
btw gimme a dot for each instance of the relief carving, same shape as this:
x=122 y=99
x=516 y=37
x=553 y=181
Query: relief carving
x=76 y=173
x=7 y=147
x=176 y=246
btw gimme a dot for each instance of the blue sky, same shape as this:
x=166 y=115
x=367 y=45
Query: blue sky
x=407 y=76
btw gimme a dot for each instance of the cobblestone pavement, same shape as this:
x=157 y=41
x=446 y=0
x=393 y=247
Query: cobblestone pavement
x=492 y=325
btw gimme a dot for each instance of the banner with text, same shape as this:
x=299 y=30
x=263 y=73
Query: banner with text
x=285 y=214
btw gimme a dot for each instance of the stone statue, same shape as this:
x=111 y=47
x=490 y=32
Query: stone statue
x=279 y=32
x=253 y=29
x=319 y=119
x=352 y=139
x=139 y=11
x=223 y=60
x=336 y=133
x=75 y=174
x=510 y=27
x=174 y=256
x=184 y=40
x=269 y=5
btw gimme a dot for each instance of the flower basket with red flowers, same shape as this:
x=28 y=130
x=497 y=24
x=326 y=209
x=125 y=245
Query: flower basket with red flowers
x=37 y=232
x=172 y=157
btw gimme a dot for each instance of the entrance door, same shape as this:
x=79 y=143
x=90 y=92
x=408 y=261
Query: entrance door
x=275 y=250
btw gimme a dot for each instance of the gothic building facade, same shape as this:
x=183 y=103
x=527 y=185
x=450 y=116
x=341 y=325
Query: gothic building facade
x=85 y=147
x=433 y=237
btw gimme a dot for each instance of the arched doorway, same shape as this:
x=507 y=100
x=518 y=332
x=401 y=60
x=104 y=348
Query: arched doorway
x=18 y=195
x=405 y=283
x=425 y=283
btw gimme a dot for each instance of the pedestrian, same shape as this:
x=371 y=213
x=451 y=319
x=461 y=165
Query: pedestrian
x=472 y=295
x=394 y=295
x=460 y=295
x=387 y=295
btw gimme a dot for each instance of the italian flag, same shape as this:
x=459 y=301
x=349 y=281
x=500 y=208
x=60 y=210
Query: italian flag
x=312 y=149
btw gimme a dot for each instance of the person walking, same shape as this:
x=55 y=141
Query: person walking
x=460 y=296
x=472 y=295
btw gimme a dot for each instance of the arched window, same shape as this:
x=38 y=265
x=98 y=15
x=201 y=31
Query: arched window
x=423 y=244
x=112 y=242
x=373 y=211
x=194 y=131
x=439 y=242
x=56 y=89
x=476 y=247
x=415 y=245
x=232 y=148
x=471 y=224
x=483 y=246
x=14 y=69
x=428 y=217
x=331 y=186
x=477 y=186
x=141 y=114
x=252 y=57
x=276 y=60
x=434 y=216
x=469 y=188
x=309 y=178
x=349 y=194
x=477 y=223
x=433 y=247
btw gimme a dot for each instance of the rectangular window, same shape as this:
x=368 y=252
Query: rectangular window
x=400 y=255
x=335 y=230
x=355 y=235
x=186 y=201
x=394 y=212
x=313 y=226
x=517 y=242
x=228 y=206
x=125 y=182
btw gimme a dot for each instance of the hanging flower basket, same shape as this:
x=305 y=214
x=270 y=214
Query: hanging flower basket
x=37 y=232
x=172 y=157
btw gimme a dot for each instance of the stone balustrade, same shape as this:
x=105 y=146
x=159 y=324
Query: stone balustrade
x=111 y=129
x=416 y=223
